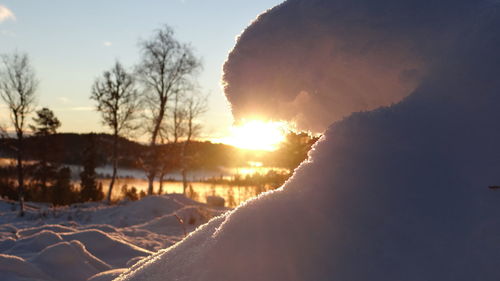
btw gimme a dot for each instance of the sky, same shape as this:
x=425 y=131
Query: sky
x=70 y=43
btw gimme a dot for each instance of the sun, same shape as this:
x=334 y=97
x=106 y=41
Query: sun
x=257 y=135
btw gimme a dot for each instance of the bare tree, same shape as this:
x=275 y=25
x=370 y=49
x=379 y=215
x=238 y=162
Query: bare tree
x=117 y=100
x=18 y=85
x=166 y=66
x=195 y=106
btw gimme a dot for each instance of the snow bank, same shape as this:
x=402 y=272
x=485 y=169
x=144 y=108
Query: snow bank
x=397 y=193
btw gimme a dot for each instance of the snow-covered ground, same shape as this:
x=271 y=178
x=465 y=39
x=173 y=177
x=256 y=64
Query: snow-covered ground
x=399 y=193
x=92 y=240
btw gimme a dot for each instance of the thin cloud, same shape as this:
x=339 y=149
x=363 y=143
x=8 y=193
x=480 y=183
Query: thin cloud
x=6 y=14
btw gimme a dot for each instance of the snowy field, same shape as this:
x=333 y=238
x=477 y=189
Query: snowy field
x=92 y=241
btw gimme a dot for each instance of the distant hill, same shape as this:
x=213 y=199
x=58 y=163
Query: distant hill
x=70 y=147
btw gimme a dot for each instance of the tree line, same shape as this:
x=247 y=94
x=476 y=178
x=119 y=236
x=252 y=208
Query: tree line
x=159 y=98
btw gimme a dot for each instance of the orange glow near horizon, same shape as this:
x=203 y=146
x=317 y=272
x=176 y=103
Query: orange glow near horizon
x=257 y=135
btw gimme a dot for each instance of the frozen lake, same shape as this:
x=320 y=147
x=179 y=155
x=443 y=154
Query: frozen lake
x=233 y=194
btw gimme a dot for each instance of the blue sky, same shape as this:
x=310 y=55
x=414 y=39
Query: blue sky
x=72 y=42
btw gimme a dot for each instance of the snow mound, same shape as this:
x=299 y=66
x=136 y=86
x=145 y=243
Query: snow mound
x=35 y=243
x=16 y=268
x=69 y=261
x=6 y=244
x=397 y=193
x=114 y=252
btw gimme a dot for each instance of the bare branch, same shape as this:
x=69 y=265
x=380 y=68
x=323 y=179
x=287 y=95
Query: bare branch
x=165 y=67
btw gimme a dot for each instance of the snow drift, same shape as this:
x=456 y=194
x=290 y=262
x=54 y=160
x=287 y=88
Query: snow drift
x=396 y=193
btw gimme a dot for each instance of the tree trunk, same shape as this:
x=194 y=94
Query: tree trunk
x=20 y=173
x=153 y=153
x=153 y=165
x=115 y=168
x=44 y=179
x=184 y=167
x=151 y=178
x=160 y=183
x=44 y=170
x=184 y=180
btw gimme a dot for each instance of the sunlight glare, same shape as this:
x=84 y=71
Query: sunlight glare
x=257 y=135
